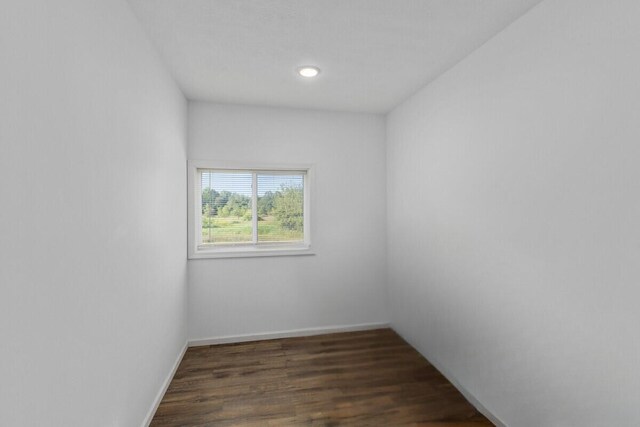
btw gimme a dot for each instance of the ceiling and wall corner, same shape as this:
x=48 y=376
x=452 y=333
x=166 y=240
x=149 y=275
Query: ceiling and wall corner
x=373 y=53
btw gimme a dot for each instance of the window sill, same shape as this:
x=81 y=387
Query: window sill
x=251 y=251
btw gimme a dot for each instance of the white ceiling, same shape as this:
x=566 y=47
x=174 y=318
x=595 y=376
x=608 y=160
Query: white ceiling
x=373 y=53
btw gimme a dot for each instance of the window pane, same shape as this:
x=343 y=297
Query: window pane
x=226 y=207
x=280 y=207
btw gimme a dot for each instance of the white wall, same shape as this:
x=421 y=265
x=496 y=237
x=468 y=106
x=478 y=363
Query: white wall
x=92 y=217
x=514 y=218
x=344 y=283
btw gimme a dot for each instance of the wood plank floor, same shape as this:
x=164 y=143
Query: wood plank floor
x=370 y=378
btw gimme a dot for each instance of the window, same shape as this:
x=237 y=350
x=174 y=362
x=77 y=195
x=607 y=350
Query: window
x=258 y=211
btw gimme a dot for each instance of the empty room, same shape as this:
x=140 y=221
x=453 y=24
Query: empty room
x=320 y=213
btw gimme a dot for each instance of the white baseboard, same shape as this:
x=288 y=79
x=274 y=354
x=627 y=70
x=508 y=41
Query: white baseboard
x=467 y=395
x=226 y=339
x=470 y=397
x=164 y=387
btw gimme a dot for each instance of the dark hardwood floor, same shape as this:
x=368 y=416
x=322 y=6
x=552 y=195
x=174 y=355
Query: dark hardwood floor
x=370 y=378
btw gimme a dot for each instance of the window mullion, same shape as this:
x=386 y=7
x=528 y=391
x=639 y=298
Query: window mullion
x=254 y=207
x=198 y=209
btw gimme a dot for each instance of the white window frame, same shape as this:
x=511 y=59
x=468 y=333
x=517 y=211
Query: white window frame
x=197 y=250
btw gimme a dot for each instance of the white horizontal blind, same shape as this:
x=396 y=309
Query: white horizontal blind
x=229 y=215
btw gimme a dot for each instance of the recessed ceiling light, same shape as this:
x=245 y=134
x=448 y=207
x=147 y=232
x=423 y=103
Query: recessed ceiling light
x=308 y=71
